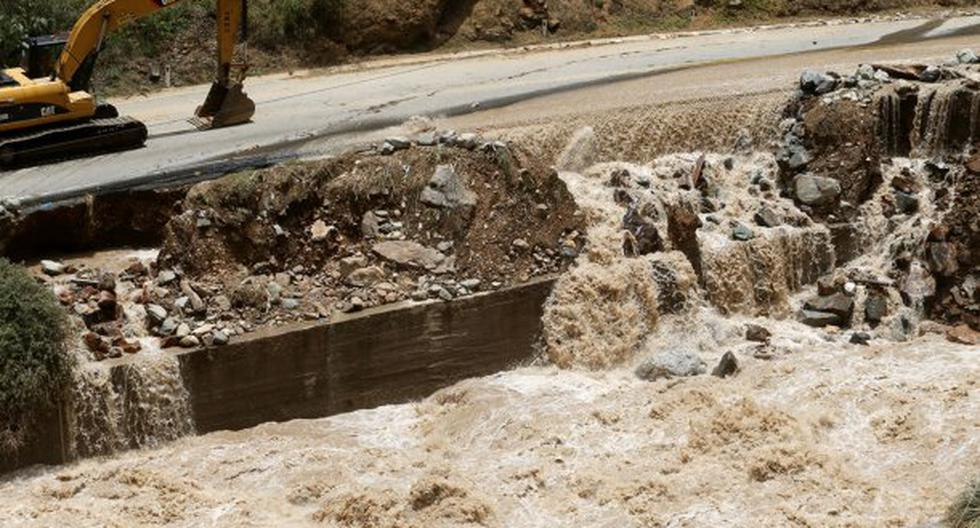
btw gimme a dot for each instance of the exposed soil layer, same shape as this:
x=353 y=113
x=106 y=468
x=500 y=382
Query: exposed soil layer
x=129 y=218
x=450 y=218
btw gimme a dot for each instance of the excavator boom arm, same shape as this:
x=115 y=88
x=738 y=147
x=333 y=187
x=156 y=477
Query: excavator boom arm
x=226 y=104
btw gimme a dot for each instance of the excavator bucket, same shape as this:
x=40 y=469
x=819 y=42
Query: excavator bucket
x=224 y=106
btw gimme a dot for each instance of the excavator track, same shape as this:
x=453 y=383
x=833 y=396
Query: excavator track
x=84 y=138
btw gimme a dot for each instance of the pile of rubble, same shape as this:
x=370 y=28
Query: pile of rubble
x=887 y=158
x=91 y=296
x=438 y=217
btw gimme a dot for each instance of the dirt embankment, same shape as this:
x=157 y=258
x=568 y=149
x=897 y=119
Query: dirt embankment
x=435 y=218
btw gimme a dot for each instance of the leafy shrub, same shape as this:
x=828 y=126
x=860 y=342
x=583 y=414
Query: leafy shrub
x=293 y=24
x=20 y=19
x=965 y=512
x=34 y=363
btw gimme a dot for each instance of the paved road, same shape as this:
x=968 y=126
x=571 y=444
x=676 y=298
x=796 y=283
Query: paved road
x=310 y=108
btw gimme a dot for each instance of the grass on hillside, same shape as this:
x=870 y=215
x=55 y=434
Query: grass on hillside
x=34 y=364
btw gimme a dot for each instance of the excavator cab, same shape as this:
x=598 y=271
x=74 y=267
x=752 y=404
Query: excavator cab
x=40 y=55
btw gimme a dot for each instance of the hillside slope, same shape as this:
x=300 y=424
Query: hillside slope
x=288 y=34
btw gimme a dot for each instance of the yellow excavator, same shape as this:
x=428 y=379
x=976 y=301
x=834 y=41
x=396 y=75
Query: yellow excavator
x=47 y=111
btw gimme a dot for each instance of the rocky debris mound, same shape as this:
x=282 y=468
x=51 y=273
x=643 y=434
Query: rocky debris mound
x=92 y=297
x=887 y=159
x=438 y=216
x=841 y=128
x=665 y=235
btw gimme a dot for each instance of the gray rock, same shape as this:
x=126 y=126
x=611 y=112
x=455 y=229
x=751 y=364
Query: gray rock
x=447 y=137
x=349 y=264
x=290 y=304
x=942 y=258
x=274 y=292
x=520 y=243
x=181 y=303
x=728 y=366
x=860 y=338
x=320 y=231
x=219 y=338
x=197 y=304
x=183 y=330
x=766 y=217
x=819 y=319
x=203 y=330
x=838 y=304
x=222 y=302
x=398 y=142
x=467 y=141
x=447 y=190
x=157 y=314
x=816 y=191
x=445 y=246
x=409 y=254
x=427 y=139
x=742 y=233
x=355 y=304
x=52 y=268
x=882 y=76
x=813 y=82
x=865 y=72
x=671 y=364
x=644 y=236
x=901 y=328
x=365 y=277
x=797 y=157
x=931 y=74
x=906 y=203
x=470 y=284
x=190 y=341
x=370 y=225
x=759 y=334
x=445 y=294
x=967 y=56
x=168 y=327
x=875 y=308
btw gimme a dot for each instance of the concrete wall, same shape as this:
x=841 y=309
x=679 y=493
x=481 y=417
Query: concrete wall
x=385 y=356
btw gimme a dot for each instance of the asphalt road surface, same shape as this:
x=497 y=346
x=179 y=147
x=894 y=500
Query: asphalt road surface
x=312 y=113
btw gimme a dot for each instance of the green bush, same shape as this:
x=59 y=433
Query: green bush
x=20 y=19
x=34 y=363
x=293 y=24
x=965 y=512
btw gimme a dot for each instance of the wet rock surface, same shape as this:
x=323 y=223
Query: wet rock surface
x=671 y=364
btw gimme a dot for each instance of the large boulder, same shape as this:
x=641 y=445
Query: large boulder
x=814 y=82
x=447 y=190
x=838 y=304
x=671 y=364
x=816 y=191
x=409 y=254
